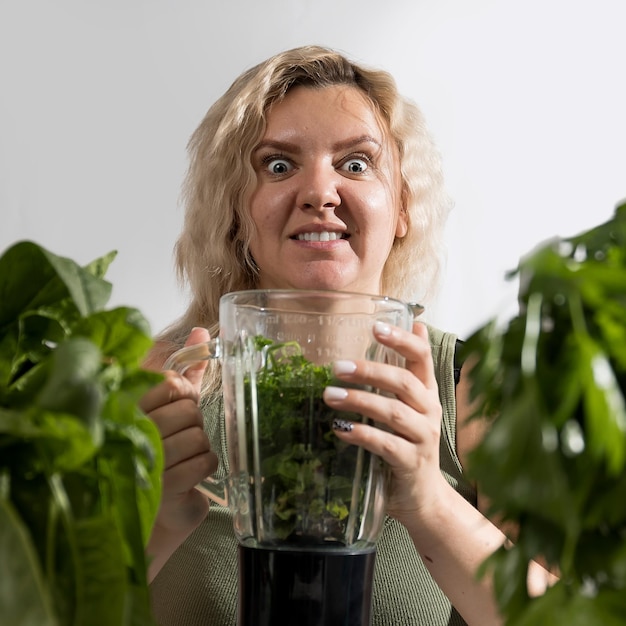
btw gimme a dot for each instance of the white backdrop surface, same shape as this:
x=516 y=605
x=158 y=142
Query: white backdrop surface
x=526 y=101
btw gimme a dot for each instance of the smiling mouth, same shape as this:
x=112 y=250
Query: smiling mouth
x=323 y=236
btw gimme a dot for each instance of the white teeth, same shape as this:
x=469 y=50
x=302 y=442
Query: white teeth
x=323 y=236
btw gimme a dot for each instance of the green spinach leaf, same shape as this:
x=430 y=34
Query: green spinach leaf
x=80 y=464
x=552 y=380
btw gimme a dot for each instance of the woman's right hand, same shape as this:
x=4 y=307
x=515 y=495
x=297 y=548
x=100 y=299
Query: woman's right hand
x=173 y=406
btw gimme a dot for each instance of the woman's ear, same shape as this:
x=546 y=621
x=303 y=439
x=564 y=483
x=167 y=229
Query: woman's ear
x=402 y=226
x=402 y=223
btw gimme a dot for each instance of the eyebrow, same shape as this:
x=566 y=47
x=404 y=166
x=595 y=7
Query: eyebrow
x=288 y=146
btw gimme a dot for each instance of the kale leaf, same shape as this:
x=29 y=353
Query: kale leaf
x=311 y=479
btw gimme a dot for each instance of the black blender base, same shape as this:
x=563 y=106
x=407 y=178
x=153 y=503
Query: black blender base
x=309 y=588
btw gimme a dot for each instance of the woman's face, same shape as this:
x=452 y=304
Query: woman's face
x=327 y=201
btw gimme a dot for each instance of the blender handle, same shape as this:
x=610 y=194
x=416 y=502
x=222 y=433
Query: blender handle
x=180 y=361
x=416 y=309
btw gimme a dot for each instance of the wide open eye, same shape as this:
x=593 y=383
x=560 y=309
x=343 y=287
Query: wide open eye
x=355 y=165
x=278 y=166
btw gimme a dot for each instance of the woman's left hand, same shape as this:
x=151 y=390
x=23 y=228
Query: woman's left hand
x=410 y=418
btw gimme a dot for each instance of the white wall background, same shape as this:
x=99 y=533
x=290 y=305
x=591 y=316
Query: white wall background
x=526 y=100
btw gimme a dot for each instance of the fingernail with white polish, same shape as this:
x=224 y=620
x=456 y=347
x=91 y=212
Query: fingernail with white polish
x=335 y=393
x=344 y=367
x=380 y=328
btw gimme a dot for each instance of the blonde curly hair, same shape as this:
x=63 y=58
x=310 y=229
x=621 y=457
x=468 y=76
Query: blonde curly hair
x=212 y=252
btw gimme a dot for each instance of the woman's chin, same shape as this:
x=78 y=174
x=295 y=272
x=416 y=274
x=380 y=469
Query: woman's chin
x=317 y=277
x=336 y=285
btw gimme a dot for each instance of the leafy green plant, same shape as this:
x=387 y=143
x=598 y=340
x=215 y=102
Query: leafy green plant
x=309 y=473
x=553 y=380
x=80 y=465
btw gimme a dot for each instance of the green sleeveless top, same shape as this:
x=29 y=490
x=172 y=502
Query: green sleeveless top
x=198 y=584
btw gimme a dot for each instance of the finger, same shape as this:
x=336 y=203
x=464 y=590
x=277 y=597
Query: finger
x=184 y=476
x=195 y=372
x=174 y=387
x=415 y=384
x=422 y=365
x=413 y=346
x=397 y=381
x=184 y=445
x=396 y=451
x=391 y=413
x=177 y=416
x=385 y=411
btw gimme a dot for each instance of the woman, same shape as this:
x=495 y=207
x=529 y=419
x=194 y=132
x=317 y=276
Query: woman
x=313 y=172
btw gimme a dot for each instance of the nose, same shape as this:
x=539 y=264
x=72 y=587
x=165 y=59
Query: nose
x=319 y=188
